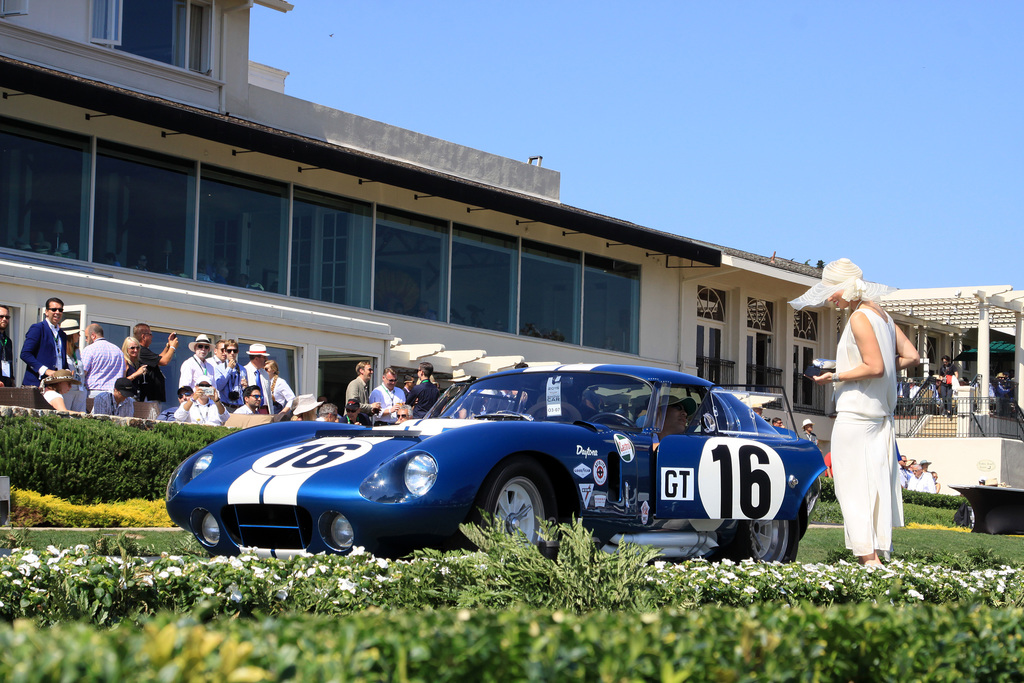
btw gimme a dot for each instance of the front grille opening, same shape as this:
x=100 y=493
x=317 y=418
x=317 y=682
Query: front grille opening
x=268 y=526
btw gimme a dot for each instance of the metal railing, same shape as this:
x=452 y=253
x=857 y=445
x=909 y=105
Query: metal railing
x=763 y=375
x=808 y=397
x=968 y=417
x=717 y=370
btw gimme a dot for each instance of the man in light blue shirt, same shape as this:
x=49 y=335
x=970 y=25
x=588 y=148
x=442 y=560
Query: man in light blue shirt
x=119 y=401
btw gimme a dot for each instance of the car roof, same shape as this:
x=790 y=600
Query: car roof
x=641 y=371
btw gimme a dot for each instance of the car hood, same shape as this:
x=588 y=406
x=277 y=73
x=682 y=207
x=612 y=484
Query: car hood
x=274 y=472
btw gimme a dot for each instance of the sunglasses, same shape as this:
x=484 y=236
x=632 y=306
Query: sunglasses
x=202 y=346
x=256 y=396
x=133 y=348
x=5 y=317
x=55 y=310
x=230 y=350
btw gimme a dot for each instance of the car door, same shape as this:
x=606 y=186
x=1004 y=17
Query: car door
x=721 y=468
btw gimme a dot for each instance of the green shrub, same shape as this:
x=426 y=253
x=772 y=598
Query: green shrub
x=934 y=500
x=96 y=461
x=849 y=643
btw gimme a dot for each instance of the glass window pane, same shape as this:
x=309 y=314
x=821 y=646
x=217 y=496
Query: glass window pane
x=550 y=293
x=242 y=231
x=144 y=211
x=44 y=181
x=611 y=304
x=331 y=240
x=149 y=27
x=480 y=257
x=411 y=265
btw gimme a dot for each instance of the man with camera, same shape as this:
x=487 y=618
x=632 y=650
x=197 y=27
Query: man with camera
x=230 y=374
x=203 y=407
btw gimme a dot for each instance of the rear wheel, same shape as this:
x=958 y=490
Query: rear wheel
x=775 y=540
x=517 y=495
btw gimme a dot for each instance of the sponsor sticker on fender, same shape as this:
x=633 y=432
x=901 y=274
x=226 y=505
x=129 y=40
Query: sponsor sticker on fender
x=587 y=492
x=600 y=473
x=600 y=499
x=581 y=471
x=625 y=447
x=585 y=451
x=645 y=512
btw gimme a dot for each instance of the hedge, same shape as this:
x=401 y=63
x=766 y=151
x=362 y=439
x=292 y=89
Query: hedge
x=96 y=461
x=801 y=643
x=932 y=500
x=33 y=509
x=55 y=586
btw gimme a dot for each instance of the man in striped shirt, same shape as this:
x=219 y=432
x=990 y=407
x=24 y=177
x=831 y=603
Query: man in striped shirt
x=102 y=362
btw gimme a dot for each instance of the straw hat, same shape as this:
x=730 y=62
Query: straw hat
x=841 y=276
x=201 y=339
x=61 y=376
x=305 y=403
x=70 y=326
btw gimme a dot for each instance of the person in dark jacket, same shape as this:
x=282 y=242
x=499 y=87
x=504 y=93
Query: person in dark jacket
x=424 y=395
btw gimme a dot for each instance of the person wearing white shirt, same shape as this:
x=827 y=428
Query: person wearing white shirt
x=203 y=407
x=390 y=397
x=196 y=368
x=921 y=481
x=280 y=391
x=255 y=375
x=252 y=398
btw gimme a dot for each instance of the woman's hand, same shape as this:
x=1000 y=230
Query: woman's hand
x=824 y=378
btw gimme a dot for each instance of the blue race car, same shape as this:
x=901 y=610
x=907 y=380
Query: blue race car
x=614 y=445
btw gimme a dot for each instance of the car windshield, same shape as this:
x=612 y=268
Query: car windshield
x=603 y=398
x=726 y=412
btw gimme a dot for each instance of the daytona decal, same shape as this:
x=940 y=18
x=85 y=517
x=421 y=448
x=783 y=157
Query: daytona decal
x=585 y=452
x=600 y=472
x=740 y=479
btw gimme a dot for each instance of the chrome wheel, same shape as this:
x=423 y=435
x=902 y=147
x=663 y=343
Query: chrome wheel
x=769 y=541
x=519 y=506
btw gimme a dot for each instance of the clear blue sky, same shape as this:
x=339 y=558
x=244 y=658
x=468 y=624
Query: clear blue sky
x=887 y=132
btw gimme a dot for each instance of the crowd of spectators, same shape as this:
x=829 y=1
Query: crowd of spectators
x=214 y=384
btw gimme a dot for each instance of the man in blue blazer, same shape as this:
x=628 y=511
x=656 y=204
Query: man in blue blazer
x=45 y=350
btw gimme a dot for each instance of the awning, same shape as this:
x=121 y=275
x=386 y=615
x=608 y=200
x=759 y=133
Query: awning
x=997 y=348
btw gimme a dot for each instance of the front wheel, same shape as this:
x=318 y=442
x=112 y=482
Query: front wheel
x=518 y=496
x=775 y=540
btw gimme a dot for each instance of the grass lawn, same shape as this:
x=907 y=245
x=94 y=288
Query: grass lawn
x=821 y=544
x=176 y=542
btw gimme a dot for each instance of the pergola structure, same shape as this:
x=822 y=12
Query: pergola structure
x=954 y=309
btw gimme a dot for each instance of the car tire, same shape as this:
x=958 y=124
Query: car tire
x=769 y=540
x=516 y=494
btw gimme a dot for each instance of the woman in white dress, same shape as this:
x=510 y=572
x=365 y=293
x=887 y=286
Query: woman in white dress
x=280 y=391
x=872 y=351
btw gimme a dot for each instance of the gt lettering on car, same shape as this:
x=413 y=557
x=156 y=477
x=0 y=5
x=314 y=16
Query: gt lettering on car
x=676 y=483
x=740 y=479
x=277 y=477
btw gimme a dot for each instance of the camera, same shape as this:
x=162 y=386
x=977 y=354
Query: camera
x=233 y=396
x=208 y=391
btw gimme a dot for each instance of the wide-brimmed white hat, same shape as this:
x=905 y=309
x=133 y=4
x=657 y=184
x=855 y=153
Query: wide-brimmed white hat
x=257 y=350
x=304 y=403
x=808 y=421
x=70 y=326
x=201 y=339
x=841 y=276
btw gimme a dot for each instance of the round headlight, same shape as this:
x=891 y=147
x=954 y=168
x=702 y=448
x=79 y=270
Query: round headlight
x=201 y=463
x=210 y=530
x=420 y=474
x=336 y=530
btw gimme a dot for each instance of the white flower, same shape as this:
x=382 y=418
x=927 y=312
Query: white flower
x=357 y=550
x=346 y=585
x=914 y=594
x=381 y=562
x=281 y=595
x=208 y=590
x=750 y=590
x=236 y=595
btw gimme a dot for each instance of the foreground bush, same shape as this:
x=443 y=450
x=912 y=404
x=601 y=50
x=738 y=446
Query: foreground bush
x=96 y=461
x=32 y=509
x=800 y=643
x=56 y=586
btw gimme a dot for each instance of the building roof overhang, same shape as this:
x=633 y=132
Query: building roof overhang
x=99 y=97
x=958 y=306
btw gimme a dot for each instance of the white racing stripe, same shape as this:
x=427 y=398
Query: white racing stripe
x=246 y=489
